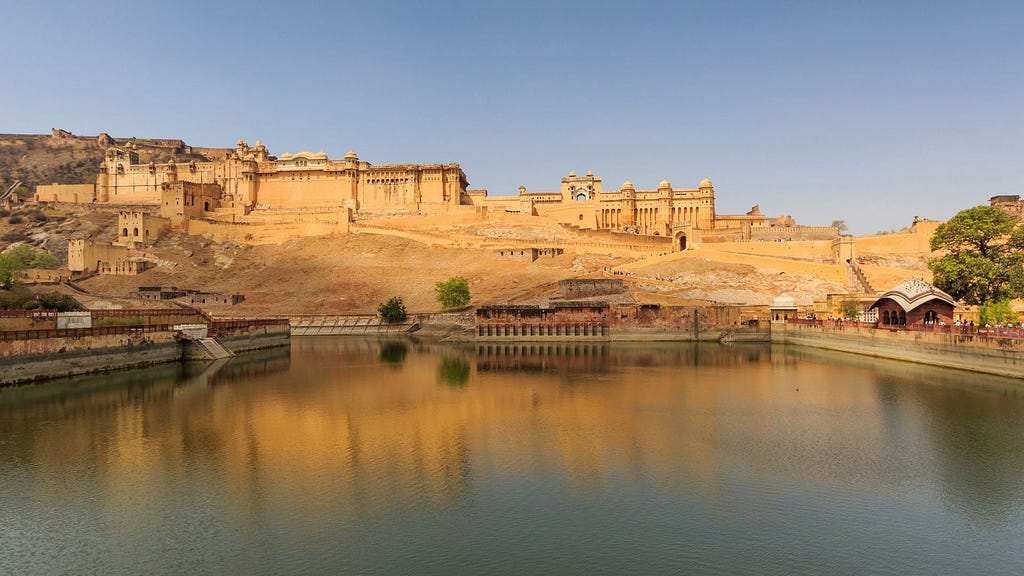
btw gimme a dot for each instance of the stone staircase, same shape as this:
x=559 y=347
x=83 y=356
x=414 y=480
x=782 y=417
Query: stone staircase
x=856 y=280
x=213 y=349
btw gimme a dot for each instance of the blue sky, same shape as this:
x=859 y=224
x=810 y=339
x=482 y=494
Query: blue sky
x=870 y=112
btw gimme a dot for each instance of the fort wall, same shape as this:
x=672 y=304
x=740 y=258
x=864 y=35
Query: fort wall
x=283 y=190
x=793 y=233
x=73 y=193
x=812 y=250
x=273 y=232
x=917 y=240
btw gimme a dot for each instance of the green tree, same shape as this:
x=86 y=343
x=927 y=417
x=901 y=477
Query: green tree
x=850 y=308
x=43 y=259
x=452 y=293
x=840 y=225
x=10 y=266
x=20 y=257
x=997 y=312
x=57 y=301
x=393 y=310
x=983 y=256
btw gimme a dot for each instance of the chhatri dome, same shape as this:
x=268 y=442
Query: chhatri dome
x=627 y=185
x=705 y=183
x=664 y=184
x=351 y=154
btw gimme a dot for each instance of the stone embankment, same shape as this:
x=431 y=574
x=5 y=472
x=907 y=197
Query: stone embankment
x=355 y=325
x=31 y=355
x=999 y=352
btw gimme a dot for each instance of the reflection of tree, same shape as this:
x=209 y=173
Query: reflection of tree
x=453 y=371
x=393 y=353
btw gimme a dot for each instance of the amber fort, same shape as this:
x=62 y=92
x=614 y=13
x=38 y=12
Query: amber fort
x=251 y=196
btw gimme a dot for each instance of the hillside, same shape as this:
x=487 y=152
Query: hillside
x=354 y=273
x=64 y=158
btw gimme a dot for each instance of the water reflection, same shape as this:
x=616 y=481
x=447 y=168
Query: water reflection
x=453 y=371
x=393 y=352
x=359 y=440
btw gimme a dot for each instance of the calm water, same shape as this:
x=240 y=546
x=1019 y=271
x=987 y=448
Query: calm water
x=360 y=457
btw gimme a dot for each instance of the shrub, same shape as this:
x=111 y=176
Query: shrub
x=453 y=293
x=16 y=219
x=15 y=298
x=393 y=310
x=59 y=302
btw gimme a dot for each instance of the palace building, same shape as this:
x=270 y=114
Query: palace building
x=250 y=178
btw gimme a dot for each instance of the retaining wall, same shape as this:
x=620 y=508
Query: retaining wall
x=990 y=355
x=42 y=358
x=66 y=361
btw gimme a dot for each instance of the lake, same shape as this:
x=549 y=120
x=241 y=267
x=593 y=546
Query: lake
x=402 y=457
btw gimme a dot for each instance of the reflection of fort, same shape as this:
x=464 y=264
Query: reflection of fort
x=586 y=357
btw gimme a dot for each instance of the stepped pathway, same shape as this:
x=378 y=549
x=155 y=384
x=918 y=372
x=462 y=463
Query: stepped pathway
x=856 y=280
x=214 y=349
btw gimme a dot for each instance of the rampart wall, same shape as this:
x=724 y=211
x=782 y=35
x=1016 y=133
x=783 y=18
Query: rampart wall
x=76 y=193
x=325 y=224
x=791 y=233
x=639 y=240
x=901 y=242
x=811 y=250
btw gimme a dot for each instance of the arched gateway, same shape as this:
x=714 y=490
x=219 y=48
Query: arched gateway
x=679 y=241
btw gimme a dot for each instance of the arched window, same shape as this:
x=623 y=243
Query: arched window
x=885 y=317
x=903 y=318
x=135 y=232
x=930 y=317
x=124 y=232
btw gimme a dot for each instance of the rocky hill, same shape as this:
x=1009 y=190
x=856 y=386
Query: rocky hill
x=64 y=158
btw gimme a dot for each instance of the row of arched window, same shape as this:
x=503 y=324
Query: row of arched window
x=899 y=318
x=894 y=318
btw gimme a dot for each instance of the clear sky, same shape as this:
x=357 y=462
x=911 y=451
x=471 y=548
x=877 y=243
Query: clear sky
x=869 y=112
